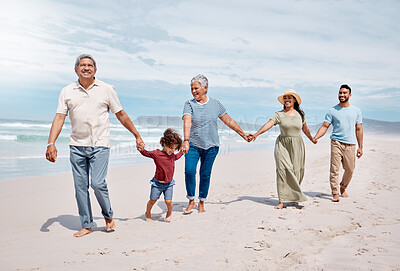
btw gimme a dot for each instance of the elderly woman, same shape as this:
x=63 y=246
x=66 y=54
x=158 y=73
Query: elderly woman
x=289 y=147
x=201 y=141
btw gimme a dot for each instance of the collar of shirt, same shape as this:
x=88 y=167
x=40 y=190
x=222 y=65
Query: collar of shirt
x=79 y=86
x=202 y=103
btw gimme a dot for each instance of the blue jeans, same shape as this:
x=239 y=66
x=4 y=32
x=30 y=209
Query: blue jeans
x=158 y=188
x=207 y=158
x=93 y=161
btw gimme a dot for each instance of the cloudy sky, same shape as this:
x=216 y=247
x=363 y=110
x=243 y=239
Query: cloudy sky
x=251 y=51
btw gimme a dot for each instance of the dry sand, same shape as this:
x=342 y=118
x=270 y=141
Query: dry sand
x=239 y=231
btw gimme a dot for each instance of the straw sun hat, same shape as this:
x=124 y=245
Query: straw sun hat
x=290 y=92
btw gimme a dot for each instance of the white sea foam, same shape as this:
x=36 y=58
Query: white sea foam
x=24 y=157
x=8 y=138
x=25 y=125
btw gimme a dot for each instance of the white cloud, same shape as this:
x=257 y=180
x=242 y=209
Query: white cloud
x=264 y=44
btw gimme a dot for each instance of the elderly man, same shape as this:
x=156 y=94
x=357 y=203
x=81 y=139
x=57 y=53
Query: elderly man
x=88 y=102
x=346 y=120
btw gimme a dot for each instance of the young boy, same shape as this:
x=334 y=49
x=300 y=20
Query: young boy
x=163 y=181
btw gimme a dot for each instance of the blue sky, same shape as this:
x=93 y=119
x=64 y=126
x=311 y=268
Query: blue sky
x=251 y=51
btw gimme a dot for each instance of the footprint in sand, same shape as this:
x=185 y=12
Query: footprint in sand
x=361 y=251
x=381 y=249
x=261 y=245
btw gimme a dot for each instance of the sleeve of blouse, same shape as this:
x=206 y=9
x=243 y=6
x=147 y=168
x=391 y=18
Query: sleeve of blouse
x=275 y=118
x=221 y=109
x=187 y=109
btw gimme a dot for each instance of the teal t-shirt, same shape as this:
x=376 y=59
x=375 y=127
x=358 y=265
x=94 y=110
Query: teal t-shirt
x=344 y=120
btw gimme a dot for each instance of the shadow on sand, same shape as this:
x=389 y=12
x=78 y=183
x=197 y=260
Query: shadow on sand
x=271 y=201
x=73 y=223
x=318 y=195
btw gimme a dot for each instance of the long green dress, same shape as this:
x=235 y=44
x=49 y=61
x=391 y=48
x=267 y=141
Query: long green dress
x=289 y=157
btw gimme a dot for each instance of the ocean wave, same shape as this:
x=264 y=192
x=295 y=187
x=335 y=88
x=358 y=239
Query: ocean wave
x=116 y=125
x=25 y=125
x=8 y=138
x=31 y=138
x=24 y=157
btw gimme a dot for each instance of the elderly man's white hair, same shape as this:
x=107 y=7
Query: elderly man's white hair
x=78 y=59
x=201 y=79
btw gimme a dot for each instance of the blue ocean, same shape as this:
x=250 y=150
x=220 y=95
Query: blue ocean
x=23 y=146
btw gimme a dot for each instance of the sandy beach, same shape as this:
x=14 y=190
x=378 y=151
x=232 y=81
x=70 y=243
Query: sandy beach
x=240 y=229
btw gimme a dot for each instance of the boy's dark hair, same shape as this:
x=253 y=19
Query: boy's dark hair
x=170 y=138
x=346 y=87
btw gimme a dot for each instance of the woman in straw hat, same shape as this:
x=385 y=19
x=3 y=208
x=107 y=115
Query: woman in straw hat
x=289 y=147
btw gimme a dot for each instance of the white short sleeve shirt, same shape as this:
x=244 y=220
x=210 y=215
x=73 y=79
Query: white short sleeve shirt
x=89 y=112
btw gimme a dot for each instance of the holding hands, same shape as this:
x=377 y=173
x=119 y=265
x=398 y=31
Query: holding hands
x=247 y=137
x=139 y=144
x=252 y=137
x=185 y=146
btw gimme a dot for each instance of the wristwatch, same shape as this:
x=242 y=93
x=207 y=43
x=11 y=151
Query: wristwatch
x=186 y=139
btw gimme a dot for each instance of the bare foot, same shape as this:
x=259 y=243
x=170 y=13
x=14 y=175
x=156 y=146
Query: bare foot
x=148 y=216
x=167 y=219
x=343 y=193
x=279 y=206
x=190 y=206
x=110 y=225
x=200 y=206
x=335 y=198
x=83 y=232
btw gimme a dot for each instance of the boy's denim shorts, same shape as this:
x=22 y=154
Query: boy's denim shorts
x=157 y=188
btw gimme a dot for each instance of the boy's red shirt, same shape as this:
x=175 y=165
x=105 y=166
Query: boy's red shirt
x=165 y=164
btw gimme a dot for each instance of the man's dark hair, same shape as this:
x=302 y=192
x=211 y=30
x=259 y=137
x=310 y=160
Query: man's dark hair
x=346 y=87
x=170 y=138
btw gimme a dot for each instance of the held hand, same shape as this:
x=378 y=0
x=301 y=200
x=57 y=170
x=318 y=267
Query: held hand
x=139 y=144
x=359 y=153
x=51 y=153
x=185 y=146
x=315 y=141
x=253 y=137
x=247 y=137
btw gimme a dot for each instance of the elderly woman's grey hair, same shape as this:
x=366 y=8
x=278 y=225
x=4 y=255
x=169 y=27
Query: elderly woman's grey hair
x=79 y=58
x=201 y=79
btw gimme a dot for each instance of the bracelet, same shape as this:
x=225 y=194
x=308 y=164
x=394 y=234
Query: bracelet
x=49 y=144
x=186 y=139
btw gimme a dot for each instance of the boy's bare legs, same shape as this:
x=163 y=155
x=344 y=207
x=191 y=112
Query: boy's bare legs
x=201 y=207
x=190 y=206
x=150 y=204
x=169 y=204
x=83 y=232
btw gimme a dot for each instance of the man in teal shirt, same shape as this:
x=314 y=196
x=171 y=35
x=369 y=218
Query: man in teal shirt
x=347 y=129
